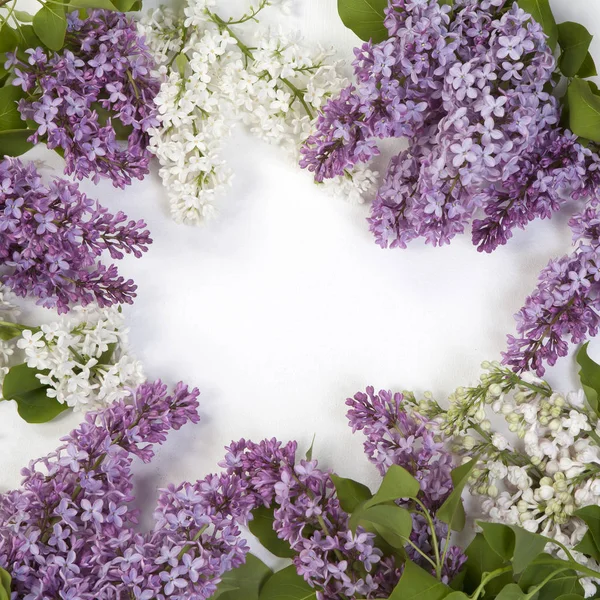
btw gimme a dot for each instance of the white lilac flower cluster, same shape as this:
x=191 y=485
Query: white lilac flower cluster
x=215 y=80
x=552 y=469
x=83 y=357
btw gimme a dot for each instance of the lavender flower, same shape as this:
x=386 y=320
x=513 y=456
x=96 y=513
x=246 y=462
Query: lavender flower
x=101 y=81
x=69 y=532
x=51 y=238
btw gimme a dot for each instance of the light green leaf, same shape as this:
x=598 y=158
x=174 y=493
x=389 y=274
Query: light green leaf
x=397 y=483
x=452 y=511
x=309 y=452
x=589 y=375
x=511 y=592
x=104 y=4
x=391 y=522
x=245 y=582
x=50 y=25
x=262 y=527
x=418 y=584
x=350 y=493
x=19 y=380
x=540 y=10
x=365 y=18
x=10 y=118
x=5 y=581
x=584 y=110
x=574 y=40
x=287 y=585
x=9 y=331
x=22 y=16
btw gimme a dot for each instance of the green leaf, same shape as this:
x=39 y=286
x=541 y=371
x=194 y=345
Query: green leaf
x=570 y=597
x=393 y=523
x=5 y=581
x=457 y=596
x=540 y=10
x=350 y=493
x=452 y=511
x=36 y=407
x=565 y=582
x=50 y=25
x=22 y=16
x=588 y=546
x=501 y=538
x=588 y=67
x=590 y=515
x=182 y=62
x=418 y=584
x=397 y=483
x=107 y=355
x=262 y=527
x=482 y=559
x=122 y=131
x=287 y=585
x=124 y=5
x=10 y=118
x=4 y=595
x=19 y=380
x=9 y=331
x=104 y=4
x=8 y=38
x=245 y=582
x=13 y=142
x=574 y=40
x=527 y=547
x=589 y=375
x=365 y=18
x=511 y=592
x=584 y=110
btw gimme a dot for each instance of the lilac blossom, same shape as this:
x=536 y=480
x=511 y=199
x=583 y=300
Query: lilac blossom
x=79 y=98
x=335 y=561
x=52 y=236
x=485 y=135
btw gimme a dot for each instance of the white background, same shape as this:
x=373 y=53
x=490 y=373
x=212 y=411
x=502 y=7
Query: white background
x=284 y=306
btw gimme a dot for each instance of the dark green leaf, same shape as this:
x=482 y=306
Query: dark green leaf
x=13 y=142
x=482 y=559
x=10 y=118
x=123 y=131
x=589 y=375
x=104 y=4
x=457 y=596
x=287 y=585
x=501 y=538
x=584 y=110
x=540 y=10
x=50 y=25
x=397 y=483
x=28 y=37
x=8 y=38
x=588 y=68
x=511 y=592
x=391 y=522
x=106 y=356
x=309 y=452
x=19 y=380
x=350 y=493
x=527 y=547
x=574 y=40
x=452 y=511
x=590 y=515
x=245 y=582
x=36 y=407
x=565 y=582
x=588 y=547
x=570 y=597
x=262 y=527
x=418 y=584
x=365 y=18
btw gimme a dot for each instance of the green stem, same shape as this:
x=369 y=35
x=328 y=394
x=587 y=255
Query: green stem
x=489 y=577
x=434 y=540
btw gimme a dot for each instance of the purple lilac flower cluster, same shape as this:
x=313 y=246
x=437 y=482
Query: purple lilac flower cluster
x=51 y=236
x=566 y=303
x=70 y=531
x=337 y=562
x=471 y=87
x=102 y=79
x=398 y=435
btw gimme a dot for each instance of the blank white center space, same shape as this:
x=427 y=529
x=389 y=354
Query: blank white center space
x=284 y=306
